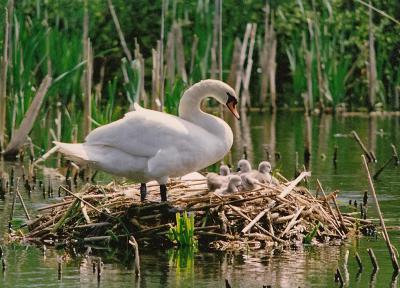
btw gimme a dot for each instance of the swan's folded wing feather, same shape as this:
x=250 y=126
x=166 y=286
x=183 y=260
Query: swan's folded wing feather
x=142 y=133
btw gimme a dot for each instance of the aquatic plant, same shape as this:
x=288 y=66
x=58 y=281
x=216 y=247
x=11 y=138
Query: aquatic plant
x=310 y=236
x=183 y=232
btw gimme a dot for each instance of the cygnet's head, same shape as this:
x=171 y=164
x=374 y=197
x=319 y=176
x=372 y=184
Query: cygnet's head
x=264 y=167
x=224 y=170
x=244 y=166
x=235 y=180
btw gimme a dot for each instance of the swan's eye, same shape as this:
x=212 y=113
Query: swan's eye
x=231 y=99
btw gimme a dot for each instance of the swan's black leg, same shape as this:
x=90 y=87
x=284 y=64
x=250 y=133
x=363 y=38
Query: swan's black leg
x=163 y=192
x=143 y=191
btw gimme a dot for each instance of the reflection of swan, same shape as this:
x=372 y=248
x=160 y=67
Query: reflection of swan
x=149 y=145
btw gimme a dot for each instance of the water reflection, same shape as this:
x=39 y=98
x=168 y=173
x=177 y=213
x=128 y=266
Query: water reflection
x=265 y=136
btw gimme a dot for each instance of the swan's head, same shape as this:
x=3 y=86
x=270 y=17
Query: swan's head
x=224 y=170
x=244 y=166
x=264 y=167
x=223 y=93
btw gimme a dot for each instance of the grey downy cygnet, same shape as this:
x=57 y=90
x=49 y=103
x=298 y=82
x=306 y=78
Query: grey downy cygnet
x=250 y=178
x=234 y=182
x=215 y=181
x=265 y=168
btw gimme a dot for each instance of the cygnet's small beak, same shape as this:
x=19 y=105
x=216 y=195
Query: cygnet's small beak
x=237 y=169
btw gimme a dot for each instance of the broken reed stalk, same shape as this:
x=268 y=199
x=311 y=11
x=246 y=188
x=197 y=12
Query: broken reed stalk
x=12 y=208
x=326 y=200
x=86 y=202
x=256 y=224
x=309 y=95
x=392 y=253
x=254 y=221
x=214 y=41
x=371 y=65
x=3 y=81
x=242 y=58
x=87 y=83
x=373 y=259
x=161 y=55
x=363 y=147
x=132 y=241
x=339 y=214
x=119 y=31
x=46 y=155
x=245 y=102
x=283 y=194
x=23 y=203
x=20 y=135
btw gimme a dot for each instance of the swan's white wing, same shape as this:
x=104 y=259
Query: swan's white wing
x=142 y=133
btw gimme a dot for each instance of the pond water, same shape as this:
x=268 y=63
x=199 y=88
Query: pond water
x=264 y=136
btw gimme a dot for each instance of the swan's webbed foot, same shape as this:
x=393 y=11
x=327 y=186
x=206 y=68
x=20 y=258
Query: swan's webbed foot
x=163 y=192
x=143 y=191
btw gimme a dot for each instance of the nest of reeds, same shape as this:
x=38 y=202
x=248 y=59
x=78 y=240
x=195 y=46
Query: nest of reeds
x=278 y=215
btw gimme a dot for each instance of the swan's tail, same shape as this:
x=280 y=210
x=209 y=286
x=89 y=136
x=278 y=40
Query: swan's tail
x=72 y=151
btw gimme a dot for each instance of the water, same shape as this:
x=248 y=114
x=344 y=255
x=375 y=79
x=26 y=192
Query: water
x=29 y=266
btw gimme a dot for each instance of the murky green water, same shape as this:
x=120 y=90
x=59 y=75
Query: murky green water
x=309 y=267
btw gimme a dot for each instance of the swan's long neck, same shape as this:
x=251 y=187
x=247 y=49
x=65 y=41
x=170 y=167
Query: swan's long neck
x=189 y=109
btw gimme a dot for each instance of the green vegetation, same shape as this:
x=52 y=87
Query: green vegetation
x=328 y=53
x=183 y=233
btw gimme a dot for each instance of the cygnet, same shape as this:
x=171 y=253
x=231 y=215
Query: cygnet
x=234 y=182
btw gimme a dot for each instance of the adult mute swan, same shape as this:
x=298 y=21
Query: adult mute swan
x=149 y=145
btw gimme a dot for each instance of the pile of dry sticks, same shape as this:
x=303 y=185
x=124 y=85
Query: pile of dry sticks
x=281 y=215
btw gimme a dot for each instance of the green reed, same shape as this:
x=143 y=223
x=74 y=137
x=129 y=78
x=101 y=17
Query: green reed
x=183 y=232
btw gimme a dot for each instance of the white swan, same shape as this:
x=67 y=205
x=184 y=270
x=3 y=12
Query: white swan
x=148 y=145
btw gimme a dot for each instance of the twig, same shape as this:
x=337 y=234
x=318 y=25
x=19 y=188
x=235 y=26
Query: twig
x=373 y=259
x=292 y=222
x=254 y=221
x=119 y=31
x=23 y=203
x=395 y=264
x=135 y=246
x=365 y=150
x=86 y=202
x=329 y=206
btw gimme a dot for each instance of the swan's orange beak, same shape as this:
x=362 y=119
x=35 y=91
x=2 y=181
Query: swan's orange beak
x=232 y=107
x=231 y=104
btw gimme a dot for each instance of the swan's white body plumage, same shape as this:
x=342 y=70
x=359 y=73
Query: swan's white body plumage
x=149 y=145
